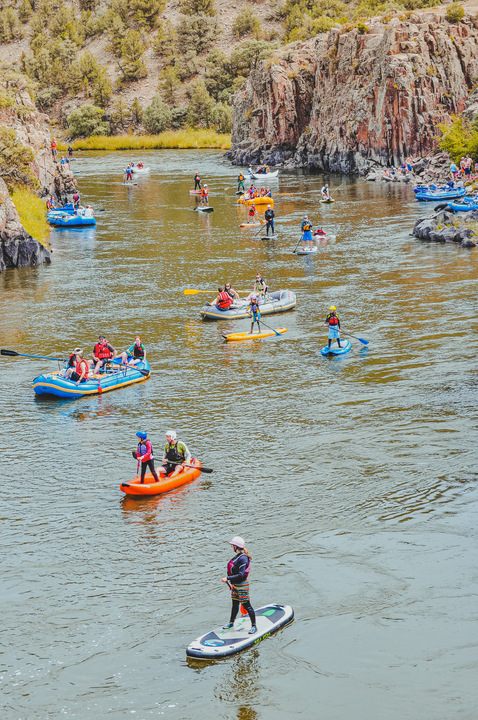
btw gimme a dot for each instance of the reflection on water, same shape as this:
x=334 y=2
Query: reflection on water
x=321 y=463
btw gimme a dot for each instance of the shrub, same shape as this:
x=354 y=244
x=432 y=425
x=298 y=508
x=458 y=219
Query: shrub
x=146 y=11
x=24 y=11
x=10 y=28
x=185 y=66
x=165 y=39
x=179 y=117
x=198 y=7
x=136 y=112
x=63 y=25
x=87 y=120
x=196 y=32
x=157 y=116
x=117 y=33
x=15 y=159
x=221 y=118
x=46 y=97
x=102 y=89
x=119 y=115
x=454 y=12
x=362 y=28
x=246 y=23
x=169 y=83
x=200 y=105
x=460 y=138
x=132 y=50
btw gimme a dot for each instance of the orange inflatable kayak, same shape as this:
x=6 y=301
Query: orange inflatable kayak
x=149 y=487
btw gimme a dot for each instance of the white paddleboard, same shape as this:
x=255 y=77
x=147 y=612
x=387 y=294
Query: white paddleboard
x=206 y=209
x=306 y=251
x=268 y=237
x=220 y=643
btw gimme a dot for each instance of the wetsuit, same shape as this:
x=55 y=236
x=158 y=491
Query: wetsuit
x=237 y=573
x=197 y=182
x=146 y=458
x=269 y=216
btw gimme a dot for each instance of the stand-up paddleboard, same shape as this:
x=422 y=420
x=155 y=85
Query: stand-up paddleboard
x=250 y=225
x=269 y=237
x=220 y=643
x=306 y=251
x=252 y=336
x=334 y=349
x=329 y=200
x=207 y=208
x=194 y=192
x=127 y=184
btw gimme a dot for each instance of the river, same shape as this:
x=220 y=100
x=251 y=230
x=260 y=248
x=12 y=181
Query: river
x=353 y=479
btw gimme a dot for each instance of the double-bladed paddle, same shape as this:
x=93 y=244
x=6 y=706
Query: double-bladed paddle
x=192 y=291
x=194 y=467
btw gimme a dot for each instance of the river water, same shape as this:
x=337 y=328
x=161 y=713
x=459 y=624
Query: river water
x=353 y=479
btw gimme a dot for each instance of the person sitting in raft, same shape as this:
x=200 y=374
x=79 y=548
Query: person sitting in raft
x=223 y=301
x=204 y=196
x=252 y=192
x=232 y=293
x=140 y=166
x=254 y=311
x=175 y=454
x=134 y=354
x=262 y=191
x=89 y=212
x=333 y=323
x=103 y=353
x=144 y=456
x=250 y=170
x=269 y=216
x=79 y=372
x=237 y=573
x=306 y=228
x=49 y=205
x=268 y=193
x=260 y=285
x=240 y=182
x=325 y=192
x=197 y=181
x=70 y=363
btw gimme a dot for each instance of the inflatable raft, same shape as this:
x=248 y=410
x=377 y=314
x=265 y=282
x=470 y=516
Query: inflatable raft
x=118 y=377
x=465 y=205
x=256 y=201
x=334 y=349
x=253 y=336
x=149 y=487
x=269 y=175
x=279 y=301
x=67 y=209
x=141 y=171
x=434 y=195
x=64 y=220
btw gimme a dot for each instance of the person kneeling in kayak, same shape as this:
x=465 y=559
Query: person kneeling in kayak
x=144 y=456
x=254 y=311
x=175 y=454
x=237 y=573
x=325 y=192
x=333 y=323
x=134 y=354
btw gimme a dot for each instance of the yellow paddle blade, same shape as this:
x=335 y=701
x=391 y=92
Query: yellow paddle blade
x=191 y=291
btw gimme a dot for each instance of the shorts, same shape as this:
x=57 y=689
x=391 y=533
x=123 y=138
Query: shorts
x=75 y=377
x=307 y=236
x=467 y=171
x=240 y=592
x=333 y=334
x=256 y=316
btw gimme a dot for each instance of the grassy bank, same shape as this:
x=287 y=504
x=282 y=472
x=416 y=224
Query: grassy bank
x=182 y=139
x=32 y=214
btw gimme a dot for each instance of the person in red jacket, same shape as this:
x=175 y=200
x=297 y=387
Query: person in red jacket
x=103 y=353
x=144 y=456
x=205 y=196
x=223 y=300
x=79 y=371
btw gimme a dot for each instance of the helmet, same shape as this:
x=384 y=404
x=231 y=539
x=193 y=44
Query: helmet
x=205 y=185
x=171 y=434
x=305 y=217
x=332 y=307
x=238 y=542
x=268 y=206
x=141 y=435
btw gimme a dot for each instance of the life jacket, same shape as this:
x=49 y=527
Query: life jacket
x=78 y=367
x=306 y=227
x=53 y=144
x=71 y=362
x=102 y=351
x=225 y=300
x=197 y=178
x=138 y=351
x=233 y=561
x=145 y=450
x=205 y=192
x=172 y=453
x=333 y=320
x=252 y=210
x=49 y=205
x=241 y=177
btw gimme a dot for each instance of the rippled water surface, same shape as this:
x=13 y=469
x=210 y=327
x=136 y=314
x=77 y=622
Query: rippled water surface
x=354 y=479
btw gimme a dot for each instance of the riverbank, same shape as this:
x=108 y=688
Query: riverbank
x=170 y=139
x=31 y=210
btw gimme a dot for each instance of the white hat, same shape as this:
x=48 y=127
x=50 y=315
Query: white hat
x=238 y=542
x=171 y=434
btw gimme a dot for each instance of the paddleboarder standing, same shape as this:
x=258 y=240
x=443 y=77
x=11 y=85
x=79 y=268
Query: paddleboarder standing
x=237 y=573
x=269 y=216
x=333 y=323
x=197 y=181
x=306 y=228
x=144 y=456
x=255 y=313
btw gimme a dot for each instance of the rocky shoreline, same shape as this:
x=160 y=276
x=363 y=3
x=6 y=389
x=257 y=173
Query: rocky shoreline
x=443 y=227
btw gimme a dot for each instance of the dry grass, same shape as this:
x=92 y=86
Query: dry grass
x=182 y=139
x=32 y=214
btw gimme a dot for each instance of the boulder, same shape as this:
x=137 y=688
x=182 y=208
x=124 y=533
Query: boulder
x=17 y=247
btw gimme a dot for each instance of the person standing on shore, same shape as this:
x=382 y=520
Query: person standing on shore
x=237 y=573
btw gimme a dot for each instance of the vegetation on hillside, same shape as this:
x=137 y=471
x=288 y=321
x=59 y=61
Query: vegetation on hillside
x=32 y=213
x=460 y=138
x=181 y=139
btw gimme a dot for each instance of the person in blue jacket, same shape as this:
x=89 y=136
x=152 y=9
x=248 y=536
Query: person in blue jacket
x=237 y=573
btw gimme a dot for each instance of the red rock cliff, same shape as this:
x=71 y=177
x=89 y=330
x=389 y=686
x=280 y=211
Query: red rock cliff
x=344 y=100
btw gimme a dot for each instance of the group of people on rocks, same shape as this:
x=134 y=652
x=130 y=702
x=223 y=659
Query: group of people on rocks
x=463 y=169
x=79 y=369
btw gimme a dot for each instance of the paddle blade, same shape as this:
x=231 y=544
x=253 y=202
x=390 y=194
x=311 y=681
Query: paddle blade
x=10 y=353
x=364 y=342
x=191 y=291
x=206 y=470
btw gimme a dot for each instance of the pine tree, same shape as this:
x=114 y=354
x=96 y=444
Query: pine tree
x=169 y=82
x=198 y=7
x=102 y=91
x=200 y=105
x=146 y=11
x=131 y=63
x=136 y=112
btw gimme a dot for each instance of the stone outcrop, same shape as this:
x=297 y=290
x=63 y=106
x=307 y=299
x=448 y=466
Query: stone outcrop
x=352 y=101
x=444 y=227
x=17 y=247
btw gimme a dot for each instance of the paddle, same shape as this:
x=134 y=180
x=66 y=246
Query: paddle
x=143 y=372
x=195 y=467
x=192 y=291
x=364 y=342
x=295 y=249
x=269 y=327
x=13 y=353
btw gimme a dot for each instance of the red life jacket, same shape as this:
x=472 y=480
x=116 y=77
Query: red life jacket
x=102 y=351
x=225 y=301
x=252 y=211
x=78 y=367
x=333 y=320
x=205 y=192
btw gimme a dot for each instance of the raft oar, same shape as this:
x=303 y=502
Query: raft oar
x=194 y=467
x=192 y=291
x=134 y=367
x=364 y=342
x=13 y=353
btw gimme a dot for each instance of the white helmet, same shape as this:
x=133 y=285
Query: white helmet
x=238 y=542
x=171 y=434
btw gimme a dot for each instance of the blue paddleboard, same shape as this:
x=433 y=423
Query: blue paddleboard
x=334 y=349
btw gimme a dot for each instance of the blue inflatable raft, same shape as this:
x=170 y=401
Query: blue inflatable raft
x=465 y=205
x=434 y=195
x=67 y=220
x=116 y=377
x=334 y=349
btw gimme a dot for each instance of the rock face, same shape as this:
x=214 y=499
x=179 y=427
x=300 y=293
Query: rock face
x=347 y=100
x=17 y=247
x=442 y=228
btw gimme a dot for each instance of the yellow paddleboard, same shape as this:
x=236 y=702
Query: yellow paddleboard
x=254 y=336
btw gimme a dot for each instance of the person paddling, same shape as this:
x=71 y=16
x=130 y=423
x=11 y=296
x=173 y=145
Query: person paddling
x=269 y=216
x=197 y=181
x=240 y=182
x=254 y=311
x=175 y=454
x=134 y=354
x=325 y=192
x=205 y=196
x=252 y=212
x=129 y=173
x=76 y=200
x=237 y=578
x=333 y=323
x=306 y=228
x=144 y=456
x=70 y=151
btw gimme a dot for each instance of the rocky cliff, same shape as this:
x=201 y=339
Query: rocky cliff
x=347 y=100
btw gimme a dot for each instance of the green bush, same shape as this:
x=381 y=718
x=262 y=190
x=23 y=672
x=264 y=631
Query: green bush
x=196 y=32
x=10 y=27
x=119 y=116
x=87 y=120
x=200 y=105
x=169 y=83
x=24 y=11
x=165 y=39
x=146 y=11
x=455 y=12
x=136 y=112
x=225 y=74
x=102 y=89
x=186 y=66
x=460 y=138
x=221 y=118
x=63 y=25
x=198 y=7
x=15 y=159
x=157 y=116
x=362 y=27
x=132 y=50
x=46 y=97
x=246 y=23
x=179 y=117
